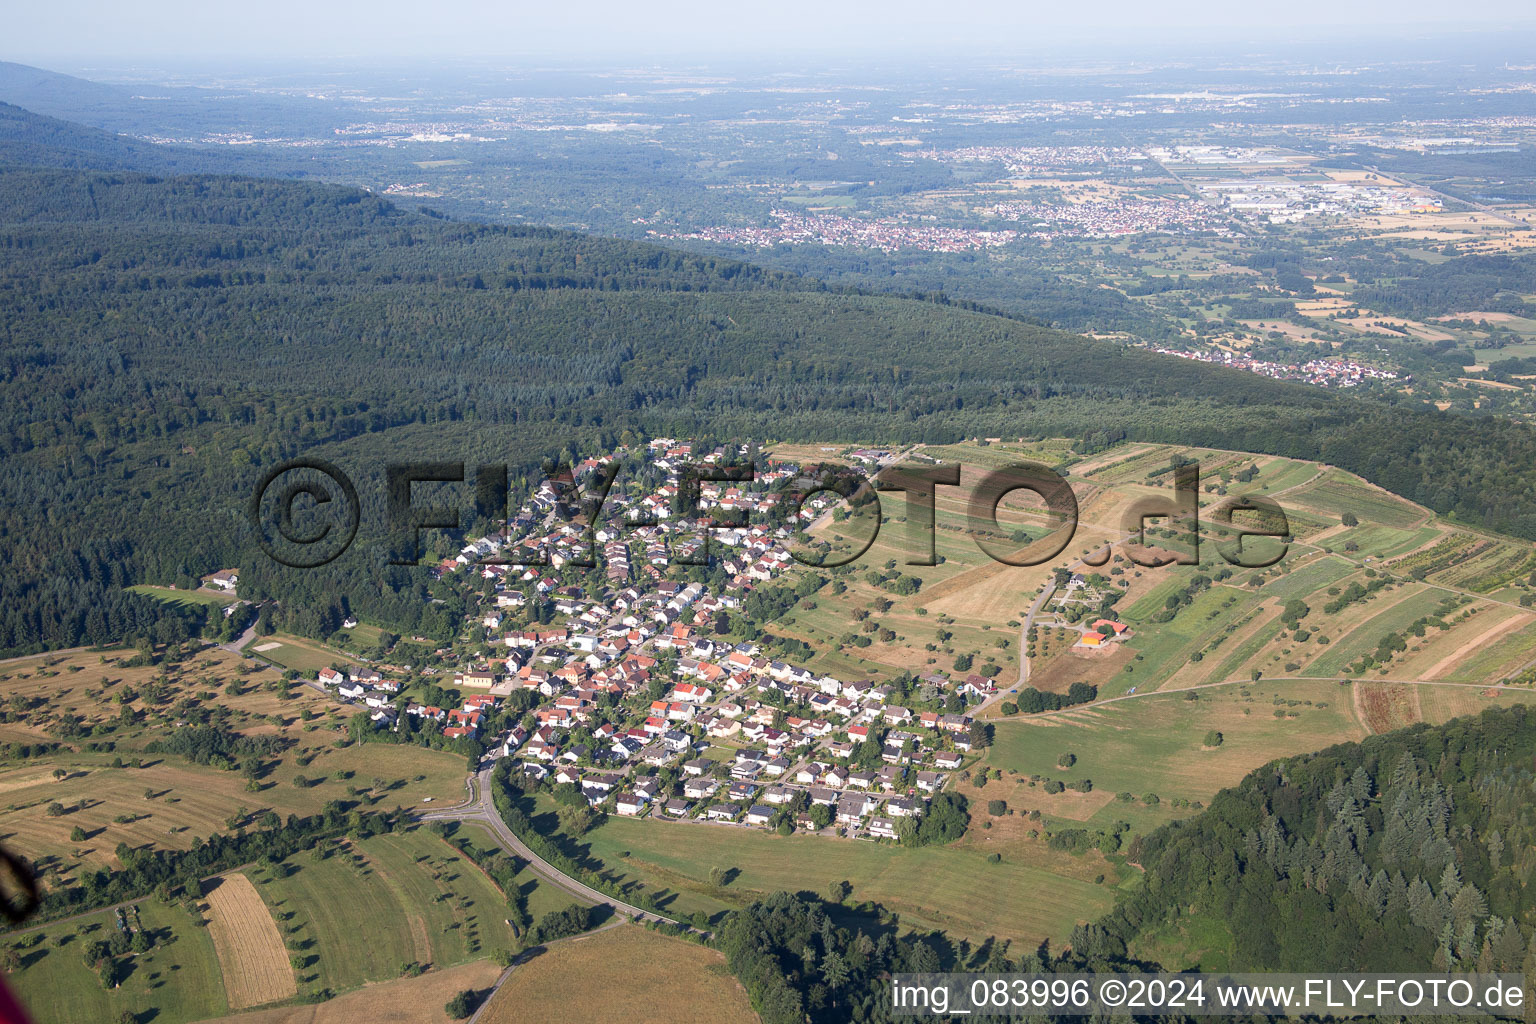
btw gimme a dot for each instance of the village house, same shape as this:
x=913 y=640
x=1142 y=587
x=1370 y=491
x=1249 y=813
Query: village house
x=426 y=711
x=723 y=812
x=468 y=721
x=603 y=783
x=852 y=808
x=700 y=789
x=224 y=579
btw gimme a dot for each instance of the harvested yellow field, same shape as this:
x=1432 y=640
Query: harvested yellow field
x=622 y=974
x=1371 y=324
x=418 y=1000
x=251 y=954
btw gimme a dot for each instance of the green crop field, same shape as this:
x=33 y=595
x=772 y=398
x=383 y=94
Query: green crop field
x=1165 y=647
x=1154 y=743
x=1152 y=602
x=1050 y=451
x=1277 y=475
x=1135 y=468
x=369 y=908
x=1493 y=565
x=1497 y=658
x=363 y=636
x=950 y=887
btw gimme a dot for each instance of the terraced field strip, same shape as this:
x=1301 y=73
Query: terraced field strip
x=1152 y=602
x=1364 y=637
x=1134 y=467
x=1480 y=632
x=1383 y=541
x=1338 y=493
x=1218 y=654
x=1277 y=475
x=1495 y=565
x=251 y=954
x=1263 y=629
x=1308 y=579
x=1501 y=657
x=1095 y=464
x=411 y=1000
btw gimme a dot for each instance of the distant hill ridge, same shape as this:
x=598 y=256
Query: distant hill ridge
x=31 y=139
x=169 y=337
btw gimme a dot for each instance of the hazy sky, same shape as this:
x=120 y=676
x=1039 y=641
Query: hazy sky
x=39 y=30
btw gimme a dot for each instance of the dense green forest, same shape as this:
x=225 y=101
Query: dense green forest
x=1491 y=284
x=165 y=340
x=29 y=139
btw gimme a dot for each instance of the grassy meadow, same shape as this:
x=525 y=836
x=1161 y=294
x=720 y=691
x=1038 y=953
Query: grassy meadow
x=626 y=974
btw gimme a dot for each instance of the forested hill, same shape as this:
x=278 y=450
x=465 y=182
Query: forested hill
x=1411 y=851
x=32 y=139
x=29 y=139
x=167 y=339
